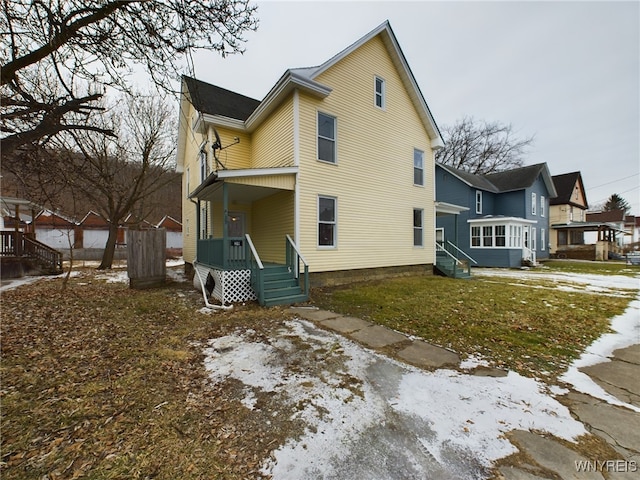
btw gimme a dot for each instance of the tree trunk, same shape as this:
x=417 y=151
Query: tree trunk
x=110 y=247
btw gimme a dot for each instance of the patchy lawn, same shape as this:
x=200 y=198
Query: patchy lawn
x=597 y=268
x=101 y=382
x=530 y=326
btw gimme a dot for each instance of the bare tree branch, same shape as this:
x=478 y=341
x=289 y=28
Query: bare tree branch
x=482 y=147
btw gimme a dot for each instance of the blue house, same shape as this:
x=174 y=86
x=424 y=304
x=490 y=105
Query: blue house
x=494 y=220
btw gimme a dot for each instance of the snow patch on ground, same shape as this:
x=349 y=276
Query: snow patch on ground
x=448 y=418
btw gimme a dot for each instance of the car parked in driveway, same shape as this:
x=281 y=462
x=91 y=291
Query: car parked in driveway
x=633 y=258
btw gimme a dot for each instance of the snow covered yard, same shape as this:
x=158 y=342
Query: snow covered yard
x=369 y=416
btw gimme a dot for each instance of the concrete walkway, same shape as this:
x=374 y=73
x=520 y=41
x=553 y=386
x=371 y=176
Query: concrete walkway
x=541 y=457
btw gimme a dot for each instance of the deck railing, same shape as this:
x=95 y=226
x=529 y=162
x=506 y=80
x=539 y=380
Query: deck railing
x=211 y=252
x=19 y=244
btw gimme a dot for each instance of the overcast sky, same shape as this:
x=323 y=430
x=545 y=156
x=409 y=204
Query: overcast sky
x=567 y=73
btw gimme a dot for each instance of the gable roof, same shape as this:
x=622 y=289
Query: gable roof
x=505 y=181
x=223 y=107
x=565 y=184
x=213 y=100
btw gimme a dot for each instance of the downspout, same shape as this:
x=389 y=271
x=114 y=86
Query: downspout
x=204 y=293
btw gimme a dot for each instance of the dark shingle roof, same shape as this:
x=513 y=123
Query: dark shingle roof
x=516 y=179
x=564 y=186
x=507 y=181
x=608 y=216
x=207 y=98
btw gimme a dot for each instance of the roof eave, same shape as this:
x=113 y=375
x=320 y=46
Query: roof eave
x=289 y=82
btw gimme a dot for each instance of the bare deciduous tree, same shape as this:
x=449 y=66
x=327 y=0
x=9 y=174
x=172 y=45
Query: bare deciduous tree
x=481 y=147
x=116 y=174
x=57 y=56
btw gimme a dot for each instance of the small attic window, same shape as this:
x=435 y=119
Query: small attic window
x=379 y=92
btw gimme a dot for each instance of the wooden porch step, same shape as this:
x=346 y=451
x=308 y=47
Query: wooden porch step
x=281 y=287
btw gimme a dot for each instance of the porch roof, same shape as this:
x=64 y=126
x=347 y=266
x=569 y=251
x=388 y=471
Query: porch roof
x=246 y=184
x=500 y=219
x=444 y=208
x=588 y=226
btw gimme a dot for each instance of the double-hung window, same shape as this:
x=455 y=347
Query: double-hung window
x=533 y=203
x=542 y=205
x=478 y=201
x=418 y=167
x=327 y=221
x=203 y=165
x=418 y=215
x=379 y=94
x=326 y=138
x=475 y=236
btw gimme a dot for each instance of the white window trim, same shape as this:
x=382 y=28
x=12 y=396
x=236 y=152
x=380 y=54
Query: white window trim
x=335 y=223
x=382 y=94
x=542 y=239
x=422 y=168
x=478 y=201
x=421 y=227
x=513 y=232
x=534 y=199
x=542 y=206
x=334 y=139
x=534 y=239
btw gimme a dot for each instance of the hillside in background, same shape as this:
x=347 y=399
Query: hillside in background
x=165 y=201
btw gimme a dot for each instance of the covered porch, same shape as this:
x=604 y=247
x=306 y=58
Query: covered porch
x=245 y=220
x=572 y=241
x=451 y=260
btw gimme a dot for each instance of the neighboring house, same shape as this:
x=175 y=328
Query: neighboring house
x=94 y=232
x=55 y=230
x=632 y=225
x=174 y=231
x=608 y=233
x=334 y=167
x=497 y=220
x=568 y=215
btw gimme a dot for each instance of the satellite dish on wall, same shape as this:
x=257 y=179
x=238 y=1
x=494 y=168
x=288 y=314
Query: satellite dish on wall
x=217 y=145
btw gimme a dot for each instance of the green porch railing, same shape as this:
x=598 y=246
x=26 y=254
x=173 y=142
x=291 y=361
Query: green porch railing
x=212 y=252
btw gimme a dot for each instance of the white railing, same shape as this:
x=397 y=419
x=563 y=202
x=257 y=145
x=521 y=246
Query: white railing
x=444 y=250
x=460 y=251
x=254 y=252
x=529 y=255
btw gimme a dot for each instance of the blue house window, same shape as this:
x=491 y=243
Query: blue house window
x=478 y=201
x=533 y=203
x=542 y=205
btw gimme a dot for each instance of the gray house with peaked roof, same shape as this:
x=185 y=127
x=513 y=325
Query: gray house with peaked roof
x=494 y=220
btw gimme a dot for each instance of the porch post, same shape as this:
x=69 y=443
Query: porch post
x=198 y=220
x=455 y=230
x=225 y=225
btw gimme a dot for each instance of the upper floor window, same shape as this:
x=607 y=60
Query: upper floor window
x=542 y=205
x=380 y=92
x=533 y=203
x=203 y=165
x=326 y=138
x=418 y=167
x=478 y=201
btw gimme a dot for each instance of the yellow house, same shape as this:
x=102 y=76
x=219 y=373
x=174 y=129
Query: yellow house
x=330 y=176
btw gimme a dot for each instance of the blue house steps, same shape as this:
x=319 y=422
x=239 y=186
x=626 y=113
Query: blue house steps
x=448 y=267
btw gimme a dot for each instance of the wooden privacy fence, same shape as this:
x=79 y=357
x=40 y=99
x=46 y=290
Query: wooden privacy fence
x=146 y=265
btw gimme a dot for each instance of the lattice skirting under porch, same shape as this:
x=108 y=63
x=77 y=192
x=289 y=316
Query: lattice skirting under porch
x=229 y=286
